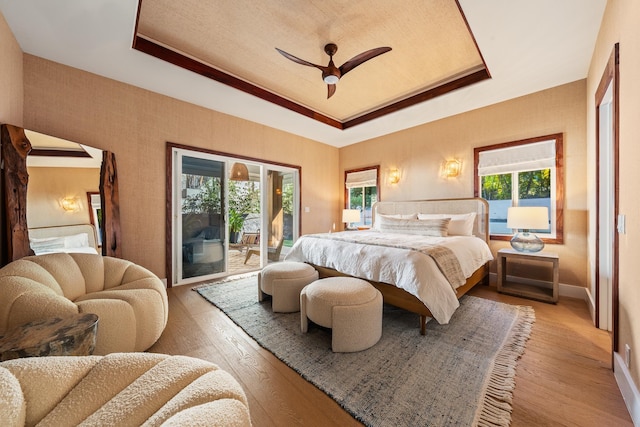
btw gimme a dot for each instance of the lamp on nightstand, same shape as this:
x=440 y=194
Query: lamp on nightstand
x=526 y=219
x=349 y=216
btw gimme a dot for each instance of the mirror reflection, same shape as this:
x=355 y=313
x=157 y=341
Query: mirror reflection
x=63 y=189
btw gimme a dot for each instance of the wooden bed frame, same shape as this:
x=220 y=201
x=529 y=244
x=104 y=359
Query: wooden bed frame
x=402 y=299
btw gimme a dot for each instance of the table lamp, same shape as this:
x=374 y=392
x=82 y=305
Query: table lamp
x=350 y=216
x=526 y=219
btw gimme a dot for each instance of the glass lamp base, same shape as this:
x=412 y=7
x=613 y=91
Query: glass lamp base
x=526 y=242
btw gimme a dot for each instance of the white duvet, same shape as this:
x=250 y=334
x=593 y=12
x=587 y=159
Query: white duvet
x=411 y=270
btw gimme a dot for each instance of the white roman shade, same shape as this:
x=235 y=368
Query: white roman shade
x=365 y=178
x=520 y=158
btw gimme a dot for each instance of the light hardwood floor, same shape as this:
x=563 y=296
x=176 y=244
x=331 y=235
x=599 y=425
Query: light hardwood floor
x=563 y=379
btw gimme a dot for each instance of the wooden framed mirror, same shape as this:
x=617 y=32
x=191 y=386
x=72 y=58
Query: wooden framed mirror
x=14 y=179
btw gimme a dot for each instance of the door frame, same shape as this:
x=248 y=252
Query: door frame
x=610 y=77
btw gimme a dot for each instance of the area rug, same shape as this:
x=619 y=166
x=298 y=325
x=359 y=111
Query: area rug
x=460 y=374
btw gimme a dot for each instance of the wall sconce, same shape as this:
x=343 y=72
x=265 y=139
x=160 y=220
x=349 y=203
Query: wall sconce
x=394 y=176
x=70 y=204
x=452 y=168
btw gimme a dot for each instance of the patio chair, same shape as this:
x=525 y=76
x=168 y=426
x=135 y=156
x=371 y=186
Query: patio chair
x=249 y=240
x=273 y=252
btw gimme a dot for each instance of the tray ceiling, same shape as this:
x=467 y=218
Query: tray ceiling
x=433 y=50
x=527 y=46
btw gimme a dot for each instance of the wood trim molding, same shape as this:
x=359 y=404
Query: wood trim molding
x=164 y=53
x=610 y=75
x=46 y=152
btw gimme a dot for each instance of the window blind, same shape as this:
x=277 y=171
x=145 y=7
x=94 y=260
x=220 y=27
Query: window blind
x=365 y=178
x=520 y=158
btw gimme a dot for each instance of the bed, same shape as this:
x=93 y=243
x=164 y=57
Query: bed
x=76 y=238
x=406 y=254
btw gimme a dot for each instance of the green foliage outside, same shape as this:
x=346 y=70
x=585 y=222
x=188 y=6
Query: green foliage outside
x=531 y=185
x=207 y=200
x=244 y=198
x=356 y=196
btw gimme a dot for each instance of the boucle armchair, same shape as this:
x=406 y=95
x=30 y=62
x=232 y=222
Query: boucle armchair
x=120 y=389
x=130 y=301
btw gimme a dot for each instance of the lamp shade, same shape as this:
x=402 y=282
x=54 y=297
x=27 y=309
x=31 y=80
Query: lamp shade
x=239 y=172
x=528 y=218
x=350 y=215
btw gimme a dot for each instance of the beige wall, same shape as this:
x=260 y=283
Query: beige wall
x=620 y=24
x=136 y=124
x=47 y=186
x=420 y=152
x=10 y=76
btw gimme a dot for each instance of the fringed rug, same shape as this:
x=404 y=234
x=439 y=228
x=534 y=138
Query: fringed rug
x=460 y=374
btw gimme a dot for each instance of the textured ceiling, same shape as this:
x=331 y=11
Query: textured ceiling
x=528 y=46
x=431 y=44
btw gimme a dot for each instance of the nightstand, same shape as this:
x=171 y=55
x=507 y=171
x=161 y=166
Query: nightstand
x=528 y=290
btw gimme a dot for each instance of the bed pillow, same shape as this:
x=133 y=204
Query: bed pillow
x=428 y=227
x=80 y=240
x=46 y=245
x=460 y=225
x=394 y=216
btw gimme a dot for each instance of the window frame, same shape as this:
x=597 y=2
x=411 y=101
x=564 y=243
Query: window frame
x=346 y=190
x=559 y=182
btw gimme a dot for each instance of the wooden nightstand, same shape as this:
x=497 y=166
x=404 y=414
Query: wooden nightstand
x=528 y=290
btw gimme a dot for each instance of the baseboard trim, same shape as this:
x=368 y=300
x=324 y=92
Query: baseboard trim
x=627 y=387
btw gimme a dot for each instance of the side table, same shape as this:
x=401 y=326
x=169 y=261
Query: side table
x=528 y=290
x=69 y=336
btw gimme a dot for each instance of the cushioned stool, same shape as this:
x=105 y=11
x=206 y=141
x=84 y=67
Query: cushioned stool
x=351 y=307
x=284 y=281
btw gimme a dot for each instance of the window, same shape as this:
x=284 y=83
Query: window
x=521 y=173
x=361 y=191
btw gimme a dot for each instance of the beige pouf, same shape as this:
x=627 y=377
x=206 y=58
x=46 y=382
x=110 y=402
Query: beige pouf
x=284 y=281
x=351 y=307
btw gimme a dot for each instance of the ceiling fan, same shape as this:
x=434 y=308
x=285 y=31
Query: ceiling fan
x=331 y=74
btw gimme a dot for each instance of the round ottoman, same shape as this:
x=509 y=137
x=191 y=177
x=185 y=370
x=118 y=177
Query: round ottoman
x=351 y=307
x=284 y=281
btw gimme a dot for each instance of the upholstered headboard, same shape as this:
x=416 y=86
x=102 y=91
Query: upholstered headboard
x=66 y=230
x=441 y=206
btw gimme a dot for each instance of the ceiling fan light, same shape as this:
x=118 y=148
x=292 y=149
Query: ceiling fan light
x=330 y=79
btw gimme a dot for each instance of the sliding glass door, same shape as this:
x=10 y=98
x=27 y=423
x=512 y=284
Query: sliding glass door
x=200 y=226
x=281 y=201
x=229 y=215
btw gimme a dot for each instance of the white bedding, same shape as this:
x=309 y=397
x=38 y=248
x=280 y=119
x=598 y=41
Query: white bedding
x=76 y=238
x=411 y=270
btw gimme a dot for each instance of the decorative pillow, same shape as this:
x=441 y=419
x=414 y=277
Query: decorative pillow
x=428 y=227
x=395 y=216
x=80 y=240
x=460 y=225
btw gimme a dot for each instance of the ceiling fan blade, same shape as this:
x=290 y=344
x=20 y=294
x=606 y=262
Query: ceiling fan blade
x=298 y=60
x=363 y=57
x=331 y=89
